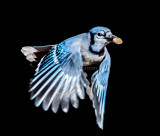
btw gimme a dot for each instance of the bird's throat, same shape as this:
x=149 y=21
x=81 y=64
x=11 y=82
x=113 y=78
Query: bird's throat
x=100 y=53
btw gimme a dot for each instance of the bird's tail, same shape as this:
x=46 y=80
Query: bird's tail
x=35 y=53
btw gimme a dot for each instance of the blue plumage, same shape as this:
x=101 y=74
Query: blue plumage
x=59 y=77
x=99 y=89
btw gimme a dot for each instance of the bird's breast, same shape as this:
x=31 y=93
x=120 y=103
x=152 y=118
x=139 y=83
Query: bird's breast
x=90 y=59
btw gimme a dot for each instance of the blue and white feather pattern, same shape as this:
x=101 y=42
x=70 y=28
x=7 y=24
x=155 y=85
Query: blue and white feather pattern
x=99 y=89
x=58 y=78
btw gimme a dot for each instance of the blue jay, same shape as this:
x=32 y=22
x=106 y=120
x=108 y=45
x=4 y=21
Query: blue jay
x=59 y=78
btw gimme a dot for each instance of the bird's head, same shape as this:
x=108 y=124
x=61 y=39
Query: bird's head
x=100 y=37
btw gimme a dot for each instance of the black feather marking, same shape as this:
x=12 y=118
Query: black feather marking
x=92 y=38
x=100 y=53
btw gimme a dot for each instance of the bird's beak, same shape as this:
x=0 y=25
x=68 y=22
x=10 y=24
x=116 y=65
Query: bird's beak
x=116 y=40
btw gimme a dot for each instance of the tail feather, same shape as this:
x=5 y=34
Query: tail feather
x=35 y=53
x=29 y=52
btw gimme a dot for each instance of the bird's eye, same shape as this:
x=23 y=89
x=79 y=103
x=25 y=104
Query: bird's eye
x=100 y=34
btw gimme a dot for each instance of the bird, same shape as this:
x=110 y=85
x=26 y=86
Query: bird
x=59 y=78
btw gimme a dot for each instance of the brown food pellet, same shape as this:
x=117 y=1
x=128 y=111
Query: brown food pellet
x=117 y=40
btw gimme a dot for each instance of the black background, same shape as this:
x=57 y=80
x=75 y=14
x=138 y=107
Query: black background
x=36 y=24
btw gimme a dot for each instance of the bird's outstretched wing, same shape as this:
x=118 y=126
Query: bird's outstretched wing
x=58 y=78
x=99 y=82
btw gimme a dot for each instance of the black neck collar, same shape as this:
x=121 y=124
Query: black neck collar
x=100 y=53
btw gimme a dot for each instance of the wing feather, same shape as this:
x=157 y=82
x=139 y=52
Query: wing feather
x=99 y=82
x=66 y=96
x=58 y=78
